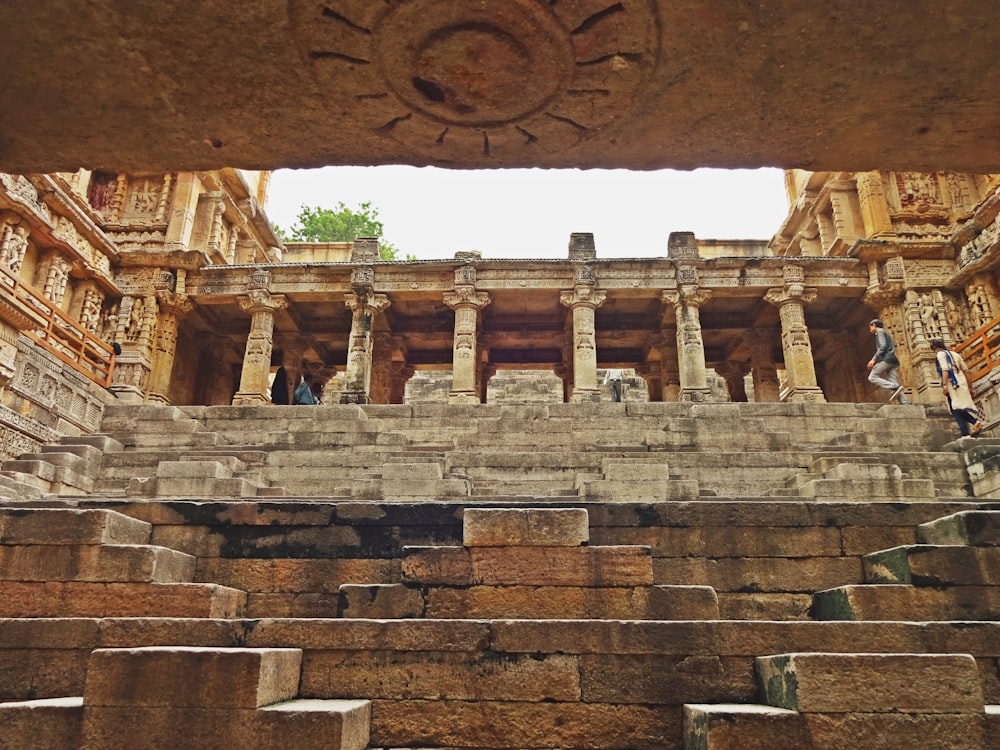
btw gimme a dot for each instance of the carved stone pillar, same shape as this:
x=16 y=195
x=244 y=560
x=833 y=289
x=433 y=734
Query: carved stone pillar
x=134 y=329
x=364 y=304
x=733 y=373
x=686 y=301
x=800 y=369
x=844 y=377
x=583 y=300
x=564 y=373
x=401 y=373
x=766 y=385
x=466 y=302
x=172 y=307
x=261 y=305
x=486 y=373
x=382 y=351
x=651 y=373
x=183 y=206
x=874 y=206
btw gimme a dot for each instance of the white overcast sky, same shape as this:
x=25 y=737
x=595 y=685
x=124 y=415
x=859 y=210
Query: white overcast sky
x=530 y=213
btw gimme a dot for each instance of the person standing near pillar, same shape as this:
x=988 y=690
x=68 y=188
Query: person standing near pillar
x=613 y=379
x=883 y=367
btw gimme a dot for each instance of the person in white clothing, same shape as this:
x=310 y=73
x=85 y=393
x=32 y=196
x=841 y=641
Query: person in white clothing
x=954 y=382
x=613 y=378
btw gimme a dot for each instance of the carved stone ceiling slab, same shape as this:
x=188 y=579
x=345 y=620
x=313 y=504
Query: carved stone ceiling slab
x=639 y=84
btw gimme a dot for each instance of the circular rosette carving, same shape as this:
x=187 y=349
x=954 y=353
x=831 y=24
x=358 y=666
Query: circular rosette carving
x=460 y=79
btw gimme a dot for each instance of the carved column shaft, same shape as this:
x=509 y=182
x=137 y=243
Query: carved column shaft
x=874 y=207
x=690 y=345
x=254 y=378
x=766 y=385
x=364 y=304
x=466 y=302
x=800 y=369
x=172 y=307
x=583 y=301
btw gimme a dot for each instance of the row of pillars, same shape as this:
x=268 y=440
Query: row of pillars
x=579 y=371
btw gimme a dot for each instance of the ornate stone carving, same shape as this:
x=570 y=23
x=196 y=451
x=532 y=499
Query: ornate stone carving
x=470 y=80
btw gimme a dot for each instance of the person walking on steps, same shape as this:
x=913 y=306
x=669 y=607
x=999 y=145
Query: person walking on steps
x=883 y=366
x=954 y=382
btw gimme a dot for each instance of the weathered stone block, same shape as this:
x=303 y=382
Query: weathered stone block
x=974 y=527
x=70 y=526
x=513 y=527
x=192 y=677
x=871 y=683
x=733 y=726
x=928 y=565
x=388 y=601
x=44 y=723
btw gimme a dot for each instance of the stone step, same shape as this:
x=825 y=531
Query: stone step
x=902 y=602
x=104 y=563
x=625 y=566
x=395 y=601
x=435 y=682
x=99 y=599
x=213 y=697
x=875 y=683
x=42 y=723
x=62 y=526
x=979 y=528
x=841 y=700
x=101 y=442
x=21 y=486
x=934 y=565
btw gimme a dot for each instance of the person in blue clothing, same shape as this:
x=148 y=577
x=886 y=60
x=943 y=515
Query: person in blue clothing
x=304 y=391
x=884 y=366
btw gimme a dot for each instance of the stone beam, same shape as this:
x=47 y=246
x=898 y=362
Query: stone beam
x=642 y=84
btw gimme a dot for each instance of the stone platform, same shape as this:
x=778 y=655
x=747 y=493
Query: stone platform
x=644 y=583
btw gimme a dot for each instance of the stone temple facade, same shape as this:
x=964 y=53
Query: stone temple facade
x=183 y=276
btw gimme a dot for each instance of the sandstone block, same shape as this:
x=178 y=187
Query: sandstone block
x=496 y=724
x=929 y=565
x=902 y=602
x=562 y=566
x=111 y=563
x=732 y=726
x=90 y=599
x=386 y=674
x=871 y=683
x=388 y=601
x=408 y=472
x=342 y=725
x=70 y=526
x=513 y=527
x=44 y=723
x=178 y=677
x=974 y=527
x=573 y=602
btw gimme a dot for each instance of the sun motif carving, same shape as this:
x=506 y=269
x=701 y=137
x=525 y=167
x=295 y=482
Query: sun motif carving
x=490 y=78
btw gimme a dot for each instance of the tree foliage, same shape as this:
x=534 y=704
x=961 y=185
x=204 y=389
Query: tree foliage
x=339 y=224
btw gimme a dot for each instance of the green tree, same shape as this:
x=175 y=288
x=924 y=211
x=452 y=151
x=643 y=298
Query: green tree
x=340 y=224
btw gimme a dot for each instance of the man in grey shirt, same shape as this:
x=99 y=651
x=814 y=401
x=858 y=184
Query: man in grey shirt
x=884 y=366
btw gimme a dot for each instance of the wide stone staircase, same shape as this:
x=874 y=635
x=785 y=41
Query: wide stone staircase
x=571 y=576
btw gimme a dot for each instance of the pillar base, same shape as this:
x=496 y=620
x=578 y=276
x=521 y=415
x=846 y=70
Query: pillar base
x=250 y=399
x=585 y=396
x=128 y=394
x=806 y=395
x=463 y=397
x=695 y=395
x=354 y=397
